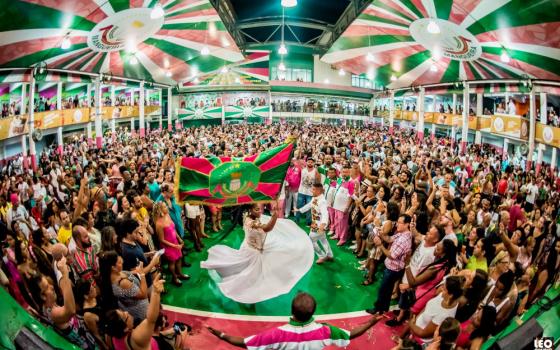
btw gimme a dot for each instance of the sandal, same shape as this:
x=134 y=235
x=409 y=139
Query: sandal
x=367 y=283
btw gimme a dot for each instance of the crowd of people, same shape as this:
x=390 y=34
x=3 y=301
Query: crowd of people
x=10 y=109
x=463 y=242
x=318 y=106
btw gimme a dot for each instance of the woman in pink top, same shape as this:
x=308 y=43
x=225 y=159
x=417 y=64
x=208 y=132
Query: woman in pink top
x=170 y=241
x=477 y=329
x=120 y=326
x=426 y=280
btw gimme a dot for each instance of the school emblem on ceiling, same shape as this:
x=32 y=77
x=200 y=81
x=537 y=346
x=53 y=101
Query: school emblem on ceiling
x=123 y=30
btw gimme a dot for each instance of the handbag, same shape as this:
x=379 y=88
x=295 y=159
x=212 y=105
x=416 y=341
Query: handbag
x=408 y=297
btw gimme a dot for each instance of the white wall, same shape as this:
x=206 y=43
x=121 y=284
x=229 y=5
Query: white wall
x=322 y=71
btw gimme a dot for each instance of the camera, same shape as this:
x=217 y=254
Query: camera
x=179 y=327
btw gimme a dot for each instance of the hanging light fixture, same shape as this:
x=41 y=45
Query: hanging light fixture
x=237 y=80
x=66 y=43
x=341 y=72
x=436 y=53
x=289 y=3
x=433 y=68
x=224 y=70
x=282 y=67
x=393 y=78
x=157 y=12
x=282 y=50
x=327 y=81
x=504 y=57
x=196 y=81
x=133 y=60
x=433 y=27
x=168 y=74
x=204 y=51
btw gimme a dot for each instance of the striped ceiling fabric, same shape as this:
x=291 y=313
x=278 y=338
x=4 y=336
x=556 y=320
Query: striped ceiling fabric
x=117 y=37
x=253 y=70
x=394 y=43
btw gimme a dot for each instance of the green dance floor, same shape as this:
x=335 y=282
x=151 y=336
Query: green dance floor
x=336 y=285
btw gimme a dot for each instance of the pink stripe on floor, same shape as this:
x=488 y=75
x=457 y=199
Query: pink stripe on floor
x=377 y=337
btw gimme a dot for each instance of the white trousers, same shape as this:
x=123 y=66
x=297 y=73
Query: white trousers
x=290 y=203
x=324 y=249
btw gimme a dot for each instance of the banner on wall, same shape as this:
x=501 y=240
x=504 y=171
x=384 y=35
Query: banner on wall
x=127 y=111
x=243 y=112
x=547 y=134
x=54 y=119
x=484 y=123
x=510 y=125
x=13 y=126
x=199 y=113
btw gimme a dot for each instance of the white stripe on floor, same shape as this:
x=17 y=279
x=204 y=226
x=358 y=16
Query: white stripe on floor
x=209 y=314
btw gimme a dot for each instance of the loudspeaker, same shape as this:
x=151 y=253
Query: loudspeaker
x=26 y=340
x=521 y=338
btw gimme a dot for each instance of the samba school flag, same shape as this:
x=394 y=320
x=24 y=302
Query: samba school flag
x=228 y=181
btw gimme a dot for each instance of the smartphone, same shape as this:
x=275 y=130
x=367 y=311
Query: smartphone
x=159 y=252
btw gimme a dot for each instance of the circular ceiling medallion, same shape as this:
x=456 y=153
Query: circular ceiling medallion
x=452 y=42
x=123 y=29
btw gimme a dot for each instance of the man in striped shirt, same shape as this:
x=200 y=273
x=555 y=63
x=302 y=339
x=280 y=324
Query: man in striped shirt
x=302 y=332
x=84 y=260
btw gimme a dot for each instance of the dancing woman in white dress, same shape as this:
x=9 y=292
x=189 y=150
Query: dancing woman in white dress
x=274 y=256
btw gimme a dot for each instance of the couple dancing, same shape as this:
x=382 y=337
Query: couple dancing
x=274 y=256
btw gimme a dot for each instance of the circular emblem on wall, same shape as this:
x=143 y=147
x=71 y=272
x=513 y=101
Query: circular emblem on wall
x=453 y=41
x=547 y=134
x=247 y=111
x=77 y=115
x=499 y=124
x=198 y=113
x=234 y=179
x=524 y=129
x=124 y=28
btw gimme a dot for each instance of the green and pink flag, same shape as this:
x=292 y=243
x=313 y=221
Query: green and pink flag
x=228 y=181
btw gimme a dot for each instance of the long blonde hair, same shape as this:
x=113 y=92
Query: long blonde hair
x=158 y=210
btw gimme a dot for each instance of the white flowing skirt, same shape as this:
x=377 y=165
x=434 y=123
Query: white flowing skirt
x=250 y=276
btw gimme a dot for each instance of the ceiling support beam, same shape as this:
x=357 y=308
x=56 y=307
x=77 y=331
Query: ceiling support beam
x=277 y=21
x=354 y=9
x=227 y=15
